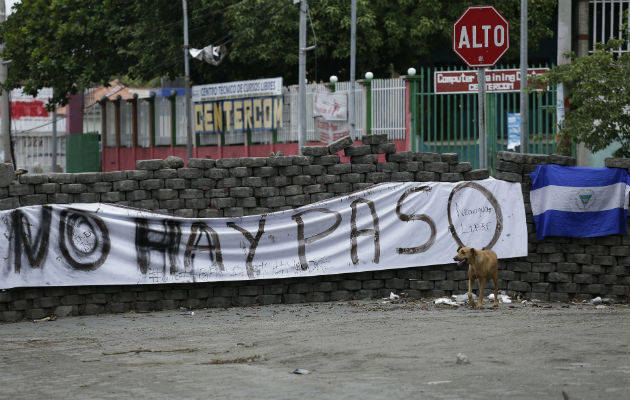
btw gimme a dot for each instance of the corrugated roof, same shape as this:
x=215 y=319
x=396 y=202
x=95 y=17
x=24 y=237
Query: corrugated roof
x=115 y=89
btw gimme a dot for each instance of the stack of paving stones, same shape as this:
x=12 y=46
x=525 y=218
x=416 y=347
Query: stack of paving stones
x=555 y=269
x=560 y=268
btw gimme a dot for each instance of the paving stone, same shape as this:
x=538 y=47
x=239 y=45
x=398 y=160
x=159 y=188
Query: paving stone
x=252 y=162
x=150 y=165
x=450 y=158
x=340 y=144
x=165 y=173
x=384 y=148
x=137 y=175
x=476 y=174
x=315 y=150
x=202 y=163
x=374 y=139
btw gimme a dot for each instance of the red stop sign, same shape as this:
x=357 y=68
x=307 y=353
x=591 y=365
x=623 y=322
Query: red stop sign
x=481 y=36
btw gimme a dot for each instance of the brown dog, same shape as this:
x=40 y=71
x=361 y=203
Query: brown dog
x=482 y=265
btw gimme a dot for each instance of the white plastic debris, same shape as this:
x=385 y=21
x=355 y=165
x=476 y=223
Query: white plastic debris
x=300 y=371
x=503 y=298
x=601 y=307
x=438 y=382
x=460 y=298
x=463 y=298
x=462 y=358
x=393 y=296
x=445 y=300
x=189 y=313
x=596 y=300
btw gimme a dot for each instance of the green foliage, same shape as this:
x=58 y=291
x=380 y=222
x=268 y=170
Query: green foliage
x=66 y=45
x=73 y=44
x=599 y=97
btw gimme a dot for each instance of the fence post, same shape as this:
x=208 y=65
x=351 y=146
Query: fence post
x=368 y=102
x=103 y=104
x=117 y=130
x=134 y=124
x=173 y=99
x=412 y=110
x=332 y=84
x=151 y=101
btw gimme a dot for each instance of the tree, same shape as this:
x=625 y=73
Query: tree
x=599 y=98
x=65 y=45
x=70 y=45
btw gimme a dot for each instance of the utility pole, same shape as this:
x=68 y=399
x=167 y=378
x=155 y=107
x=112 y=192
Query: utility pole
x=353 y=67
x=189 y=135
x=5 y=125
x=582 y=155
x=564 y=45
x=302 y=77
x=54 y=136
x=524 y=96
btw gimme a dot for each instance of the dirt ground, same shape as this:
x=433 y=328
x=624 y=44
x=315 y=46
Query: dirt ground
x=376 y=349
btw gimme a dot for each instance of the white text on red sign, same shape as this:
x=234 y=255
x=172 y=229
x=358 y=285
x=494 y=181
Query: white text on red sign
x=497 y=80
x=498 y=36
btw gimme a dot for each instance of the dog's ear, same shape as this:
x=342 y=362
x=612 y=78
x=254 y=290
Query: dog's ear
x=472 y=251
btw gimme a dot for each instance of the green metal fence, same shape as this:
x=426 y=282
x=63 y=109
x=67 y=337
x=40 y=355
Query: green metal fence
x=447 y=123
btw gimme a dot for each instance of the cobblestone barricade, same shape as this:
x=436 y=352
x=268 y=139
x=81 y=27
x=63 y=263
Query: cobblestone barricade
x=556 y=269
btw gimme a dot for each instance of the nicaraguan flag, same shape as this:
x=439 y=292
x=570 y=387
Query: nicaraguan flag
x=579 y=201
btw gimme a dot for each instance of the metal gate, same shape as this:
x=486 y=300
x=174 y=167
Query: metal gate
x=447 y=123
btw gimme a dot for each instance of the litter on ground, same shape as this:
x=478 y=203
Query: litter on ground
x=445 y=300
x=503 y=298
x=300 y=371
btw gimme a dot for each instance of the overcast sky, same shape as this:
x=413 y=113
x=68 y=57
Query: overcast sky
x=9 y=5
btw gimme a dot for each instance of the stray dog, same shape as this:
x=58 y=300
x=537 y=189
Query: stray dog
x=482 y=265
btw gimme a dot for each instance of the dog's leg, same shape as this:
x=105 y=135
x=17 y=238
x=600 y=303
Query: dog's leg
x=482 y=284
x=470 y=284
x=495 y=278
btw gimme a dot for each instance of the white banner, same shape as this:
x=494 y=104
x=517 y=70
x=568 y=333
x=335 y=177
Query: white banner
x=331 y=110
x=331 y=106
x=329 y=131
x=238 y=89
x=387 y=226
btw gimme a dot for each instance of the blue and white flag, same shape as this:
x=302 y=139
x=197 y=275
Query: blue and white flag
x=579 y=201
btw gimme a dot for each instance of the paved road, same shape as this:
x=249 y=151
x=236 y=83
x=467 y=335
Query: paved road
x=353 y=350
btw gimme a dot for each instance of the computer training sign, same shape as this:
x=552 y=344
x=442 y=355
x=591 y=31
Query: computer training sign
x=387 y=226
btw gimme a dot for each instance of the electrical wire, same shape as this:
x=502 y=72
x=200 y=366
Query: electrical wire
x=59 y=117
x=262 y=21
x=180 y=21
x=227 y=39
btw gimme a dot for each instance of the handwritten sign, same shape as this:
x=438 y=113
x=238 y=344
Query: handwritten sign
x=391 y=225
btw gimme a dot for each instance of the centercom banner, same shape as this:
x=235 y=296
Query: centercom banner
x=237 y=106
x=387 y=226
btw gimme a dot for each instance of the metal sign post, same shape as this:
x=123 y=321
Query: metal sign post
x=481 y=100
x=481 y=36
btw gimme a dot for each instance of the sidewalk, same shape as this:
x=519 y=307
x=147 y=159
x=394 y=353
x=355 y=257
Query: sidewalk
x=376 y=349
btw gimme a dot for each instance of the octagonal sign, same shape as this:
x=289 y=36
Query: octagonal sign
x=481 y=36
